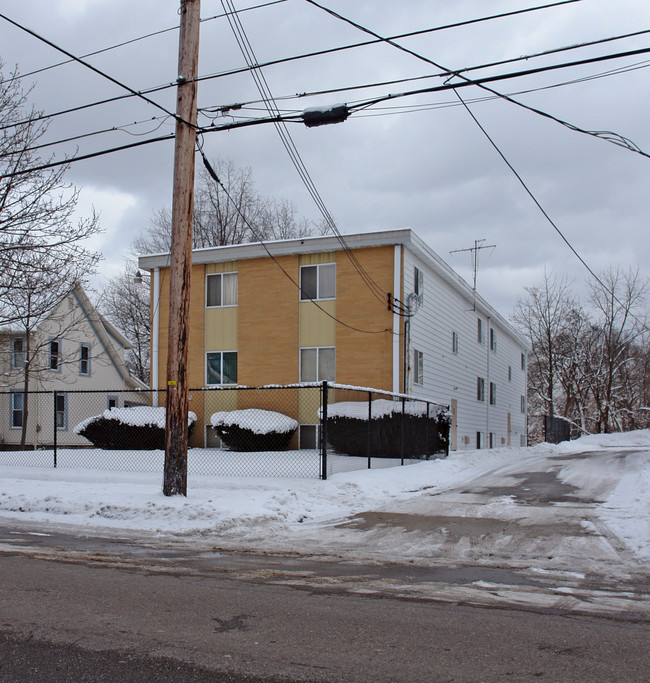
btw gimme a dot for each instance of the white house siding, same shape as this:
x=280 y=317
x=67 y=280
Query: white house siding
x=449 y=376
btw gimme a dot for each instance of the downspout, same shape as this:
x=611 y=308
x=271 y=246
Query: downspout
x=155 y=334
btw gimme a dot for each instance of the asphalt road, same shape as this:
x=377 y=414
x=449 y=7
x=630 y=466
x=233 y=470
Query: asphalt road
x=532 y=590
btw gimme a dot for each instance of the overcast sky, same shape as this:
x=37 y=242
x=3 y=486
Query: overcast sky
x=418 y=162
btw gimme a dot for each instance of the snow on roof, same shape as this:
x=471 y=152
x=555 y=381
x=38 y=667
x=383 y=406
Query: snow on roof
x=255 y=420
x=138 y=416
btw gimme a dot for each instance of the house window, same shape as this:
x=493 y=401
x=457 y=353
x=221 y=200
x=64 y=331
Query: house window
x=317 y=364
x=454 y=342
x=55 y=355
x=418 y=283
x=84 y=359
x=493 y=340
x=221 y=289
x=318 y=282
x=418 y=367
x=523 y=404
x=493 y=438
x=309 y=437
x=523 y=361
x=480 y=389
x=112 y=402
x=61 y=406
x=221 y=367
x=479 y=445
x=510 y=373
x=18 y=353
x=479 y=331
x=493 y=394
x=17 y=409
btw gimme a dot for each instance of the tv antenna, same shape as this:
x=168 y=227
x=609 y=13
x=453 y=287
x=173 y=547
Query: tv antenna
x=478 y=245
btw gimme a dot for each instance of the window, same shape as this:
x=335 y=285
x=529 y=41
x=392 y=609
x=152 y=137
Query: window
x=480 y=389
x=221 y=367
x=493 y=340
x=479 y=331
x=55 y=355
x=493 y=439
x=112 y=402
x=523 y=404
x=478 y=440
x=17 y=408
x=309 y=437
x=493 y=394
x=523 y=361
x=418 y=283
x=510 y=373
x=61 y=405
x=418 y=367
x=318 y=282
x=522 y=440
x=454 y=342
x=317 y=364
x=18 y=353
x=84 y=359
x=221 y=289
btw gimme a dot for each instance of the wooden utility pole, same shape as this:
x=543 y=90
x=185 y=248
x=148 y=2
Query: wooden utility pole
x=176 y=428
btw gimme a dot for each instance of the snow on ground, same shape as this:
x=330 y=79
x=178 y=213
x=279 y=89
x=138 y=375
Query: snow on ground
x=247 y=509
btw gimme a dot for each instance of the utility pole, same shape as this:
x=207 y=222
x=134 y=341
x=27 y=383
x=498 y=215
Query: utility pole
x=176 y=428
x=475 y=250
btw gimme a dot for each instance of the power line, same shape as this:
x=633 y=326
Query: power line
x=130 y=42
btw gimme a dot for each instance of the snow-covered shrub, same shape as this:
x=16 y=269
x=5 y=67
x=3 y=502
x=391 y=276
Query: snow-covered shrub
x=391 y=433
x=130 y=429
x=254 y=429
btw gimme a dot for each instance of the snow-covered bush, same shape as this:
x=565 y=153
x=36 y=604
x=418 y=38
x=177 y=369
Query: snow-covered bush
x=395 y=430
x=254 y=429
x=137 y=428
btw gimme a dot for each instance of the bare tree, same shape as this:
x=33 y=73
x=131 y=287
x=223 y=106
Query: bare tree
x=39 y=236
x=125 y=303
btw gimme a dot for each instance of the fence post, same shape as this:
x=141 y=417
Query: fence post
x=369 y=428
x=54 y=425
x=402 y=434
x=323 y=433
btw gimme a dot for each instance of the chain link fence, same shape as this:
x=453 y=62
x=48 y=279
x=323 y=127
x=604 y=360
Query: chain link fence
x=306 y=430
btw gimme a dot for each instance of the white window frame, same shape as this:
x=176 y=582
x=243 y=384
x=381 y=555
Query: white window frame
x=318 y=350
x=523 y=362
x=83 y=346
x=480 y=335
x=493 y=340
x=52 y=356
x=221 y=277
x=418 y=367
x=480 y=389
x=13 y=410
x=63 y=427
x=318 y=267
x=493 y=393
x=317 y=435
x=18 y=354
x=523 y=404
x=221 y=353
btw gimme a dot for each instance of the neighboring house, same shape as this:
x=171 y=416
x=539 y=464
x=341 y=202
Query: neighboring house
x=315 y=311
x=75 y=348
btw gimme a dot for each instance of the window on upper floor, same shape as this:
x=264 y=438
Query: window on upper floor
x=418 y=283
x=17 y=408
x=220 y=367
x=18 y=353
x=493 y=394
x=454 y=342
x=493 y=339
x=479 y=330
x=318 y=364
x=221 y=289
x=318 y=281
x=480 y=389
x=523 y=404
x=55 y=355
x=510 y=373
x=523 y=361
x=84 y=359
x=418 y=367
